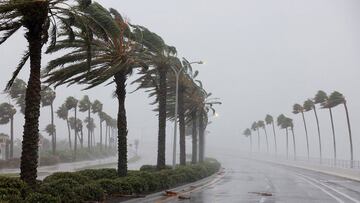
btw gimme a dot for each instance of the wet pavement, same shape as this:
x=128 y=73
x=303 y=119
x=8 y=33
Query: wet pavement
x=253 y=181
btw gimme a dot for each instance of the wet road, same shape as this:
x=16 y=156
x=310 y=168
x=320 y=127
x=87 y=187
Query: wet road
x=253 y=181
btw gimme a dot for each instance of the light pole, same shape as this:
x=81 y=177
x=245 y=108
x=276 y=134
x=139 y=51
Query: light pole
x=177 y=76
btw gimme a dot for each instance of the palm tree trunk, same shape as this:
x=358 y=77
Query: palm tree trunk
x=294 y=143
x=287 y=143
x=350 y=137
x=333 y=132
x=89 y=131
x=162 y=118
x=318 y=129
x=34 y=22
x=201 y=138
x=307 y=137
x=258 y=132
x=76 y=134
x=53 y=136
x=106 y=133
x=182 y=126
x=12 y=137
x=267 y=141
x=120 y=80
x=251 y=144
x=194 y=138
x=100 y=134
x=82 y=138
x=69 y=132
x=273 y=126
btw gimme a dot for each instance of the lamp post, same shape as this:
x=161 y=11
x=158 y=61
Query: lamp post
x=177 y=76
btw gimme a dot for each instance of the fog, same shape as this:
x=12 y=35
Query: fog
x=262 y=56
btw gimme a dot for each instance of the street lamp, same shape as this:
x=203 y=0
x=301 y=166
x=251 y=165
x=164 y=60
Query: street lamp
x=177 y=76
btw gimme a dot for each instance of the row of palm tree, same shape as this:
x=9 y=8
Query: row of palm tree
x=326 y=102
x=100 y=46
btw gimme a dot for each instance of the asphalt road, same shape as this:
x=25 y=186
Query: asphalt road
x=252 y=181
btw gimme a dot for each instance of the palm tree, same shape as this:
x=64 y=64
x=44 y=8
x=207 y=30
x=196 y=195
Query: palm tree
x=111 y=52
x=17 y=93
x=297 y=108
x=63 y=113
x=308 y=106
x=47 y=99
x=50 y=129
x=261 y=124
x=194 y=137
x=335 y=99
x=85 y=106
x=322 y=99
x=255 y=127
x=77 y=126
x=90 y=125
x=37 y=17
x=289 y=124
x=281 y=122
x=247 y=133
x=72 y=103
x=96 y=108
x=269 y=120
x=7 y=112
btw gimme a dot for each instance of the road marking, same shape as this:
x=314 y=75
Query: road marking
x=322 y=189
x=333 y=189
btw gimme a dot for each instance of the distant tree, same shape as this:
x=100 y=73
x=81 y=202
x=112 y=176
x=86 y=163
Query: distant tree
x=254 y=127
x=72 y=103
x=78 y=128
x=85 y=106
x=7 y=112
x=289 y=124
x=136 y=144
x=297 y=108
x=96 y=108
x=90 y=125
x=269 y=120
x=247 y=133
x=308 y=106
x=335 y=99
x=17 y=92
x=261 y=124
x=47 y=99
x=322 y=99
x=281 y=122
x=63 y=113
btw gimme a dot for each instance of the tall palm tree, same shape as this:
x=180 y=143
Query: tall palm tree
x=72 y=103
x=17 y=92
x=194 y=137
x=289 y=124
x=77 y=126
x=281 y=122
x=254 y=127
x=269 y=120
x=96 y=108
x=261 y=124
x=335 y=99
x=114 y=54
x=322 y=99
x=50 y=129
x=63 y=113
x=308 y=106
x=37 y=17
x=247 y=133
x=297 y=108
x=85 y=106
x=90 y=125
x=47 y=99
x=7 y=112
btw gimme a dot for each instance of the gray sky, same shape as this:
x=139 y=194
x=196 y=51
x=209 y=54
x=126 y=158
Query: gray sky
x=261 y=57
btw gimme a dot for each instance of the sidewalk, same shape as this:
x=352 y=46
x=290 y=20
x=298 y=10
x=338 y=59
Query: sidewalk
x=353 y=174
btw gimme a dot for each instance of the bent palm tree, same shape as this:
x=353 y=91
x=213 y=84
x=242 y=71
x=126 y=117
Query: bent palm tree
x=63 y=113
x=7 y=112
x=72 y=103
x=96 y=108
x=308 y=106
x=281 y=122
x=47 y=99
x=335 y=99
x=255 y=127
x=269 y=120
x=85 y=106
x=297 y=108
x=261 y=124
x=247 y=133
x=322 y=99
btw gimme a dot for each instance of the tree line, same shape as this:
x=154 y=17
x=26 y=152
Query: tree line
x=101 y=47
x=283 y=122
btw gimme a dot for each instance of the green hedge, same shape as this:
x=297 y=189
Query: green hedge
x=97 y=185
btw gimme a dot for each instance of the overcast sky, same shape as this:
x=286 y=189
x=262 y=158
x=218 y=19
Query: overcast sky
x=262 y=56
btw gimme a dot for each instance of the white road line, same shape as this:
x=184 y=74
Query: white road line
x=333 y=189
x=322 y=189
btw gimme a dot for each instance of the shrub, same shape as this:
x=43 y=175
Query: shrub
x=10 y=195
x=63 y=189
x=137 y=183
x=90 y=192
x=41 y=198
x=96 y=174
x=67 y=175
